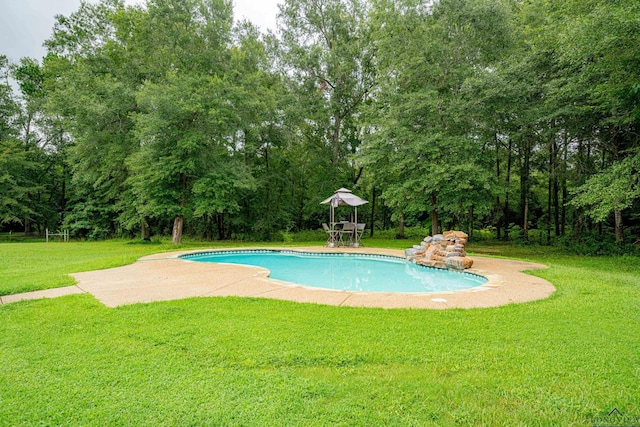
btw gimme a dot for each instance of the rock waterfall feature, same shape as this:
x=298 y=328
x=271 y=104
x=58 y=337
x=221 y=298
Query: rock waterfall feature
x=446 y=250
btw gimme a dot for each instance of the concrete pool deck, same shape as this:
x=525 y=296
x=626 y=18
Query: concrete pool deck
x=165 y=276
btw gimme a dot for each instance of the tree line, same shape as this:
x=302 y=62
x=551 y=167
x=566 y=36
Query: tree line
x=518 y=116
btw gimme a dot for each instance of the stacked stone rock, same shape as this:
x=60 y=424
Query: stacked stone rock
x=446 y=250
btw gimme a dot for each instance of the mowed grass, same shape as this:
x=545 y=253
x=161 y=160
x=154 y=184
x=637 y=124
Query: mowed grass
x=563 y=361
x=35 y=266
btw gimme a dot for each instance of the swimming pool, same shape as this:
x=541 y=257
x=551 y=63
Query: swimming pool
x=346 y=271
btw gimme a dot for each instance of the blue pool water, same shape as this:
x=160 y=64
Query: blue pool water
x=353 y=272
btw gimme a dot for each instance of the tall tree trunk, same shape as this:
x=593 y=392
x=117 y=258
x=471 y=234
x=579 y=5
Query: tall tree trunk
x=176 y=234
x=335 y=139
x=144 y=231
x=63 y=191
x=524 y=181
x=385 y=217
x=549 y=212
x=470 y=226
x=178 y=222
x=357 y=177
x=617 y=213
x=373 y=210
x=209 y=228
x=498 y=205
x=563 y=207
x=556 y=206
x=434 y=215
x=401 y=227
x=505 y=214
x=563 y=185
x=525 y=228
x=220 y=224
x=578 y=218
x=266 y=213
x=27 y=227
x=556 y=201
x=549 y=191
x=579 y=225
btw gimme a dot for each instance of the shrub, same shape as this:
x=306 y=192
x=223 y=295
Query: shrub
x=487 y=233
x=309 y=235
x=595 y=245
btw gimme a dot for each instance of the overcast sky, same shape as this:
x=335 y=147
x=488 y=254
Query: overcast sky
x=26 y=24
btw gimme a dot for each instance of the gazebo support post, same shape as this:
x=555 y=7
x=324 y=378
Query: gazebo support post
x=355 y=231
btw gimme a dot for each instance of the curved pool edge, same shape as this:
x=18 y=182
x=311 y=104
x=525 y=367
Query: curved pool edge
x=164 y=276
x=332 y=251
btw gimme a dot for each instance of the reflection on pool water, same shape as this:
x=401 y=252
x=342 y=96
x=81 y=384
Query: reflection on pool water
x=346 y=271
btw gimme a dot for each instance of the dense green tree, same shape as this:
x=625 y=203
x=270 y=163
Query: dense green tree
x=186 y=166
x=91 y=86
x=599 y=59
x=45 y=143
x=453 y=113
x=14 y=203
x=418 y=124
x=262 y=140
x=611 y=191
x=24 y=172
x=325 y=54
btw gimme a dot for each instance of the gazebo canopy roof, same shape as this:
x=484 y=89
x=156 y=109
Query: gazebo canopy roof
x=344 y=197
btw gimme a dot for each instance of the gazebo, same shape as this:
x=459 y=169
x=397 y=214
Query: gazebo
x=343 y=197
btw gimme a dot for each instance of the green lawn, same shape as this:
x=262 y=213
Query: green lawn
x=238 y=361
x=31 y=266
